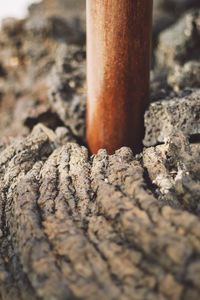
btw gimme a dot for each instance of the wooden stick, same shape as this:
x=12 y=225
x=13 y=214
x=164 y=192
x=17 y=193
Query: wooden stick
x=118 y=62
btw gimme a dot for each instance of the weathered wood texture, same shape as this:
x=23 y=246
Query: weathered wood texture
x=75 y=227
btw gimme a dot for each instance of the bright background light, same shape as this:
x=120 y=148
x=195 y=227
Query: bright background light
x=14 y=8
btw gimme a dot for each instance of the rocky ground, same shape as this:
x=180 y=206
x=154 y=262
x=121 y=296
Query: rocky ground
x=75 y=226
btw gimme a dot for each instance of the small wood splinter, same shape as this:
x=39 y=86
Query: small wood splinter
x=118 y=64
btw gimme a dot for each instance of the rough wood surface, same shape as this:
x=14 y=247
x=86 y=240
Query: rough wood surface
x=81 y=227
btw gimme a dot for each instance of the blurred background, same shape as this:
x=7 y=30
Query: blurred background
x=17 y=9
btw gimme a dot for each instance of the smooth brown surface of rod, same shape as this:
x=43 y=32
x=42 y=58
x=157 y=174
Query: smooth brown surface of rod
x=118 y=62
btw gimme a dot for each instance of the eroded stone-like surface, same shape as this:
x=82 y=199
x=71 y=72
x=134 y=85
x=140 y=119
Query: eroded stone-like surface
x=178 y=51
x=27 y=54
x=180 y=43
x=164 y=117
x=67 y=90
x=92 y=228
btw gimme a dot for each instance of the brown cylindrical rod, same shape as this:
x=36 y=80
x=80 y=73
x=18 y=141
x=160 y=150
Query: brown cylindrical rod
x=118 y=62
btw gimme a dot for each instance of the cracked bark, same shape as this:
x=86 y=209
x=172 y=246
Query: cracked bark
x=81 y=227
